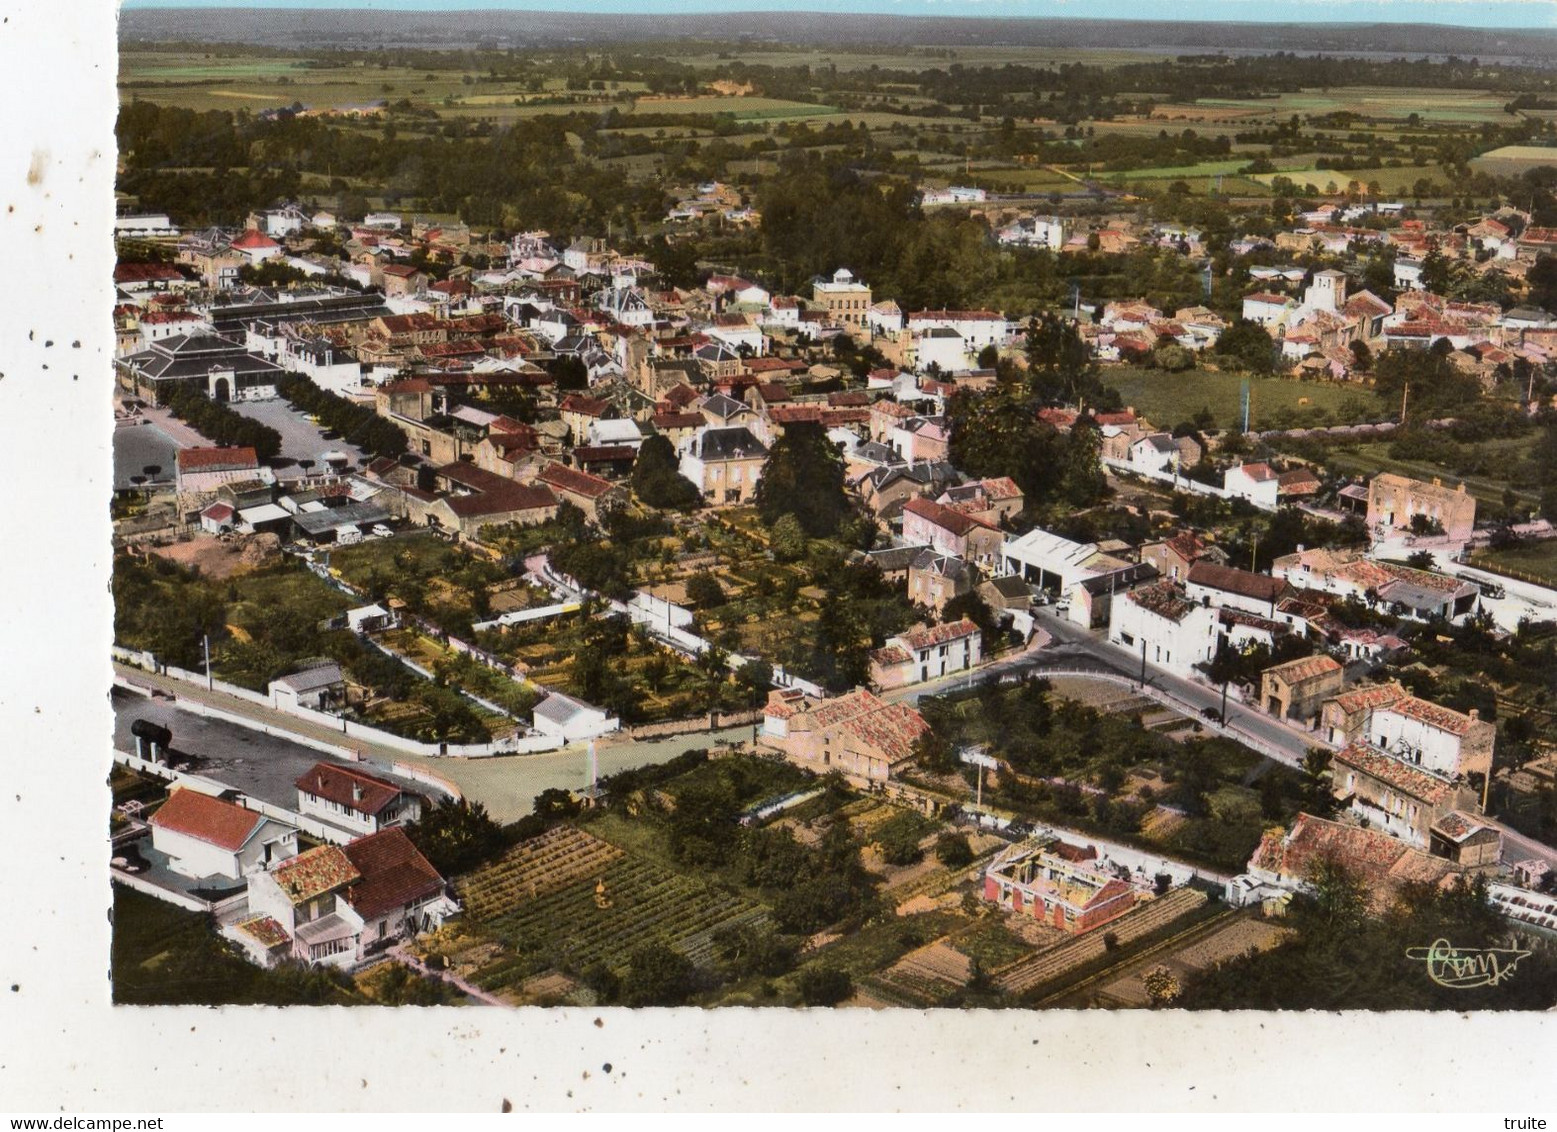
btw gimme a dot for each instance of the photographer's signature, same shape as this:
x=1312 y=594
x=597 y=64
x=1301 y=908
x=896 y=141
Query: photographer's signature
x=1461 y=968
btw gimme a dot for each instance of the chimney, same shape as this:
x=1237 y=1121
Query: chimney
x=1474 y=713
x=356 y=791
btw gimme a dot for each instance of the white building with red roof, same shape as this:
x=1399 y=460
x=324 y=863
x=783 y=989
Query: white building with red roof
x=204 y=836
x=206 y=469
x=355 y=800
x=340 y=904
x=927 y=653
x=1258 y=483
x=256 y=247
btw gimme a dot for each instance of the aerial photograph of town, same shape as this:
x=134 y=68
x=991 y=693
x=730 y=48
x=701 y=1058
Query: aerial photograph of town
x=812 y=509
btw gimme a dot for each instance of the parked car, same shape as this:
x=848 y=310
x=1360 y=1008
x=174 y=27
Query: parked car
x=1212 y=714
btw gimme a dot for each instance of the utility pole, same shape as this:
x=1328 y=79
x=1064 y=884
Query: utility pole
x=1143 y=662
x=1254 y=551
x=206 y=641
x=1404 y=394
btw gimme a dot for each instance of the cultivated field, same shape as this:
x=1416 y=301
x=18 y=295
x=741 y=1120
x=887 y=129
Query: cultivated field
x=1512 y=160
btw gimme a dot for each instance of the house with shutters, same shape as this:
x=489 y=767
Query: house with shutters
x=354 y=799
x=340 y=904
x=724 y=463
x=204 y=836
x=950 y=532
x=926 y=653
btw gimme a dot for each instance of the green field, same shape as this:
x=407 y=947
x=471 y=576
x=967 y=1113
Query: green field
x=1169 y=398
x=1512 y=160
x=1386 y=103
x=1536 y=561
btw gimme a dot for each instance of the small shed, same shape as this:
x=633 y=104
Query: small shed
x=316 y=688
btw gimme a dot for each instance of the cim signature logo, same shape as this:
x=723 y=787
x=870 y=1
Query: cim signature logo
x=1463 y=968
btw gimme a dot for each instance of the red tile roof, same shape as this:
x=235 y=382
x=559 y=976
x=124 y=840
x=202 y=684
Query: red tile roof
x=391 y=874
x=207 y=819
x=216 y=459
x=314 y=873
x=944 y=517
x=938 y=634
x=1229 y=579
x=573 y=481
x=254 y=239
x=1399 y=775
x=348 y=787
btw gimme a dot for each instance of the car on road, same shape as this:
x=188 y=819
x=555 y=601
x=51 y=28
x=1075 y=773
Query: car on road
x=1212 y=714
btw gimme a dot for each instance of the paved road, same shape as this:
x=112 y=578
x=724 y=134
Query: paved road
x=507 y=785
x=138 y=446
x=1073 y=646
x=262 y=766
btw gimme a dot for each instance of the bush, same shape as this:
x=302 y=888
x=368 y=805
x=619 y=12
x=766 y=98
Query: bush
x=824 y=986
x=953 y=850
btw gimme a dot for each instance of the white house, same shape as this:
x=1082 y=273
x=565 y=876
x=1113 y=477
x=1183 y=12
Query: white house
x=1161 y=626
x=370 y=619
x=942 y=348
x=571 y=720
x=205 y=836
x=976 y=328
x=1408 y=275
x=928 y=653
x=355 y=800
x=1258 y=483
x=1036 y=232
x=388 y=221
x=885 y=318
x=337 y=905
x=1269 y=310
x=1155 y=454
x=257 y=247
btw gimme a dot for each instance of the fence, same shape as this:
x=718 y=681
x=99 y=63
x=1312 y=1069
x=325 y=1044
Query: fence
x=156 y=891
x=1177 y=482
x=713 y=721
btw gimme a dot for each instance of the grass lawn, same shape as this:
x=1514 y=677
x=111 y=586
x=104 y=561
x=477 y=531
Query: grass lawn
x=163 y=955
x=1536 y=561
x=1168 y=398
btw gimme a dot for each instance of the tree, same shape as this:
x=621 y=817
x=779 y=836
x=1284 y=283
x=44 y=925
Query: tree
x=824 y=986
x=803 y=477
x=953 y=850
x=704 y=590
x=1162 y=986
x=658 y=975
x=657 y=479
x=787 y=539
x=1060 y=367
x=457 y=836
x=1249 y=345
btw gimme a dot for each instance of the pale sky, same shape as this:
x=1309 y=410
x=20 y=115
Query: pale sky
x=1466 y=13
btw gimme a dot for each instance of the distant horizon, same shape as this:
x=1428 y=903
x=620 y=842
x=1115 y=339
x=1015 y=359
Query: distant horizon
x=1497 y=15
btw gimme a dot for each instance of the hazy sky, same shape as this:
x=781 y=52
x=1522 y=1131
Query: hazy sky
x=1469 y=13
